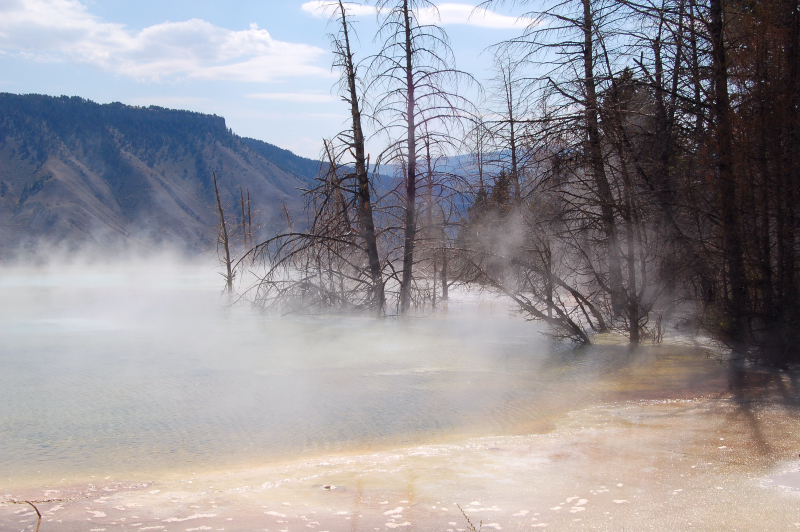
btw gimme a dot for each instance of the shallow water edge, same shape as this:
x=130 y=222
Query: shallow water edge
x=137 y=399
x=699 y=464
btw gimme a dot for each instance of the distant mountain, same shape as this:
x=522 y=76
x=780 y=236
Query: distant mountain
x=301 y=167
x=75 y=171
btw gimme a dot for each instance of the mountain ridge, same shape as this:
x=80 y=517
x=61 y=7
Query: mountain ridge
x=75 y=171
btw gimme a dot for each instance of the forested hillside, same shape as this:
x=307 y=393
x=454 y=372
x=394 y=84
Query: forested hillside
x=75 y=171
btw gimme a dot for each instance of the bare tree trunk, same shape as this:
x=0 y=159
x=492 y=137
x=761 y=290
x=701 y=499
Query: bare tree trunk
x=224 y=236
x=364 y=199
x=597 y=162
x=430 y=234
x=698 y=104
x=249 y=219
x=632 y=293
x=787 y=262
x=732 y=247
x=514 y=162
x=244 y=219
x=512 y=133
x=765 y=233
x=411 y=172
x=288 y=217
x=445 y=289
x=665 y=188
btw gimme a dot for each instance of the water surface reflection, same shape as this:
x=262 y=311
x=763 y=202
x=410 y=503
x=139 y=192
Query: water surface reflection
x=136 y=370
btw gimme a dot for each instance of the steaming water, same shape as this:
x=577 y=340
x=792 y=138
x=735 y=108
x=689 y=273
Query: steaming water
x=134 y=369
x=145 y=373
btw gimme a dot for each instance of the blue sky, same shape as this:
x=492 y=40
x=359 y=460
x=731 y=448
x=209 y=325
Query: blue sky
x=263 y=65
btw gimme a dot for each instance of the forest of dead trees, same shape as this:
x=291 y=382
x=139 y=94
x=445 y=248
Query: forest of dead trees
x=630 y=164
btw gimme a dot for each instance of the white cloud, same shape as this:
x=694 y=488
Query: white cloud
x=444 y=13
x=294 y=97
x=63 y=30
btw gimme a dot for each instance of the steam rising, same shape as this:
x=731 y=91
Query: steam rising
x=142 y=370
x=148 y=361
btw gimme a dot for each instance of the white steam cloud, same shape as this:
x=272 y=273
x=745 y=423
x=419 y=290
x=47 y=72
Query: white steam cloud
x=445 y=14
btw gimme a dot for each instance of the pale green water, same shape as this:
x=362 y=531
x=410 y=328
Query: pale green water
x=144 y=370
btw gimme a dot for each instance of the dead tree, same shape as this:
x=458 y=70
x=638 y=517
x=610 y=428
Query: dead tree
x=413 y=81
x=510 y=102
x=336 y=263
x=565 y=44
x=586 y=138
x=321 y=269
x=354 y=140
x=223 y=241
x=244 y=217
